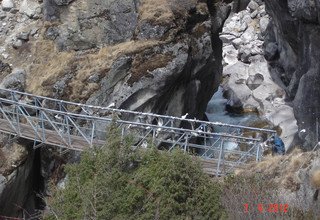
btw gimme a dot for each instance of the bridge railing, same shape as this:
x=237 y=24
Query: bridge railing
x=77 y=126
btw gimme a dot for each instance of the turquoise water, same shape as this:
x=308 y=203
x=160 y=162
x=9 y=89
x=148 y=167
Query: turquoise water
x=216 y=112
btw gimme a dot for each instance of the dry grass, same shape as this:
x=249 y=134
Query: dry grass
x=141 y=68
x=156 y=11
x=47 y=67
x=50 y=65
x=162 y=12
x=281 y=170
x=315 y=179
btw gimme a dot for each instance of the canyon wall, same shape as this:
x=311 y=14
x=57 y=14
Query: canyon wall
x=292 y=47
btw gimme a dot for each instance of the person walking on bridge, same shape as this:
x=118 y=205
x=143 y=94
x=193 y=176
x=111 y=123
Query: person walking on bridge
x=278 y=145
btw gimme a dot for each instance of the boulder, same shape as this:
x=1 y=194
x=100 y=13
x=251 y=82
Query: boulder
x=237 y=42
x=249 y=35
x=5 y=68
x=252 y=6
x=271 y=51
x=254 y=81
x=7 y=5
x=264 y=21
x=229 y=55
x=227 y=38
x=31 y=8
x=17 y=43
x=23 y=35
x=15 y=80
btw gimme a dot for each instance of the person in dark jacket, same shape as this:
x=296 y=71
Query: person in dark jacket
x=278 y=145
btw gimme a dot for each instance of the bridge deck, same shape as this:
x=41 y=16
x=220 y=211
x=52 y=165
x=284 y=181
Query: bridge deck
x=52 y=138
x=79 y=144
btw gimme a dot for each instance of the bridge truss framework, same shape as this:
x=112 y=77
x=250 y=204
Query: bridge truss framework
x=74 y=126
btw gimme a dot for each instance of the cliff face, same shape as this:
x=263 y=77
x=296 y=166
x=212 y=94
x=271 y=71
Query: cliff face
x=153 y=56
x=292 y=47
x=156 y=56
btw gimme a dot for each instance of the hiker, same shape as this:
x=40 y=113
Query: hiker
x=277 y=145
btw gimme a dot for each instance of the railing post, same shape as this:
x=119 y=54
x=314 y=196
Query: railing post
x=153 y=136
x=186 y=143
x=42 y=127
x=18 y=119
x=122 y=132
x=92 y=133
x=220 y=157
x=68 y=129
x=258 y=152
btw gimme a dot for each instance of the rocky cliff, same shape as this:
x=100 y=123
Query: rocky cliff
x=292 y=47
x=152 y=56
x=147 y=55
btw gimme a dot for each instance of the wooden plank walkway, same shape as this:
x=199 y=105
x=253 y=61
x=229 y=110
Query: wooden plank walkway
x=51 y=137
x=78 y=143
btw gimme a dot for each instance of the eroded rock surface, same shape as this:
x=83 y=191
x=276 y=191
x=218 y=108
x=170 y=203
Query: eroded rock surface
x=16 y=177
x=294 y=33
x=151 y=56
x=249 y=85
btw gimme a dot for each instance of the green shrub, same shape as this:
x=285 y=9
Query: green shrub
x=118 y=182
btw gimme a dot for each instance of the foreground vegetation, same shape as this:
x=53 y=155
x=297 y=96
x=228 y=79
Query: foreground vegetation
x=117 y=182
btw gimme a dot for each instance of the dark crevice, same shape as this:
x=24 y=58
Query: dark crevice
x=38 y=185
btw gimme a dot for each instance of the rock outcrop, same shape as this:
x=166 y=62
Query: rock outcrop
x=293 y=51
x=249 y=85
x=17 y=178
x=151 y=56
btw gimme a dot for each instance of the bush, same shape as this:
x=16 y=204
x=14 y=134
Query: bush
x=117 y=182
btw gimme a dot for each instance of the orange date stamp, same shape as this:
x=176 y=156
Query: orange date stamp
x=270 y=208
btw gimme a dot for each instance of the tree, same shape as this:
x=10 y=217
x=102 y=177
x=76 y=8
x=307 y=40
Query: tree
x=118 y=182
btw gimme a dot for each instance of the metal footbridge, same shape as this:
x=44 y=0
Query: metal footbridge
x=74 y=126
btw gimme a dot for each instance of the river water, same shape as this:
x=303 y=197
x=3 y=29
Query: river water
x=216 y=113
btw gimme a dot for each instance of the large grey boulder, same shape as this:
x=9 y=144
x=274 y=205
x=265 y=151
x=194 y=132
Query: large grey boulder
x=7 y=5
x=31 y=8
x=253 y=5
x=15 y=80
x=264 y=21
x=271 y=51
